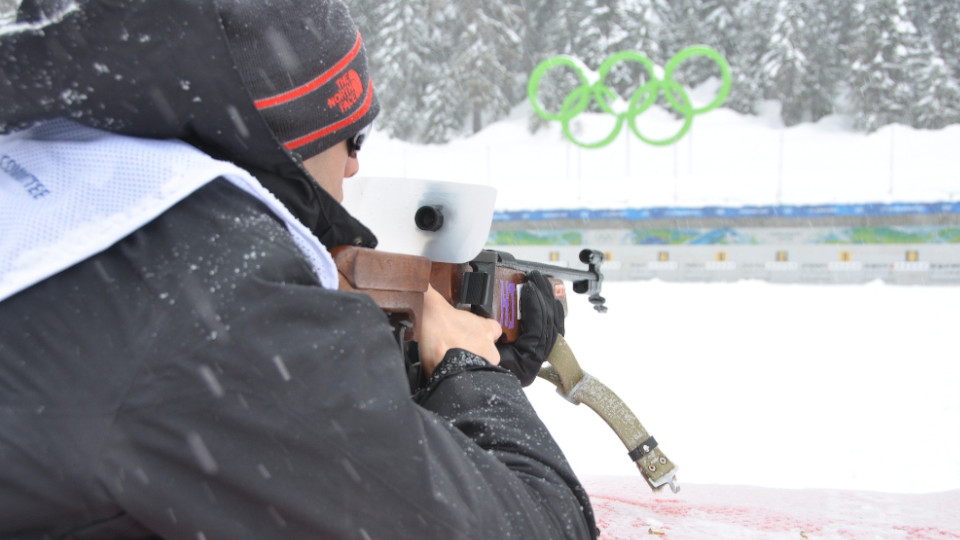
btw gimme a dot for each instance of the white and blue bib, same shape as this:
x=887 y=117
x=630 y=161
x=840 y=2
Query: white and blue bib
x=68 y=192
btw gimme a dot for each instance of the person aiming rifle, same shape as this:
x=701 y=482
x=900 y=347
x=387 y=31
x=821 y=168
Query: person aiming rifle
x=176 y=360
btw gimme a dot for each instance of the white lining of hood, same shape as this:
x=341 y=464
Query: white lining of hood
x=68 y=192
x=61 y=14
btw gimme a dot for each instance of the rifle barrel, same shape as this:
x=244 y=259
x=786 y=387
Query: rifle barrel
x=560 y=272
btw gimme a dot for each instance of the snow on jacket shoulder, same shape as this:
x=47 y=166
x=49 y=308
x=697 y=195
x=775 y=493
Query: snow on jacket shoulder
x=196 y=381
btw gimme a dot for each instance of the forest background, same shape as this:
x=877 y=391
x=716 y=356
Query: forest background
x=448 y=69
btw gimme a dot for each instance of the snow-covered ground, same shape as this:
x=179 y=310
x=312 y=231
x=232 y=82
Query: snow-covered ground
x=791 y=386
x=725 y=159
x=750 y=383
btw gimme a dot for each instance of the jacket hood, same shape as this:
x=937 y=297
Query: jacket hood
x=157 y=70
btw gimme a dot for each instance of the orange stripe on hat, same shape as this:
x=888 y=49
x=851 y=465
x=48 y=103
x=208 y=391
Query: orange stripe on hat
x=310 y=137
x=304 y=89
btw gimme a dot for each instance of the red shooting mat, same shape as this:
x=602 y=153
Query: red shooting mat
x=626 y=509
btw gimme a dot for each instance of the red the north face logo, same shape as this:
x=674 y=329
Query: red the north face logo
x=350 y=89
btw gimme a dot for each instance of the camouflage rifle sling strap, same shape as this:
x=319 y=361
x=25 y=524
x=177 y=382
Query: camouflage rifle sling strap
x=579 y=387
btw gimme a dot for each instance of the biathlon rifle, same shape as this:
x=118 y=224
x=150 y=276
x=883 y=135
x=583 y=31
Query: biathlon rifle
x=489 y=285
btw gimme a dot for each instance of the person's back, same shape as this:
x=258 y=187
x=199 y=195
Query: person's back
x=184 y=366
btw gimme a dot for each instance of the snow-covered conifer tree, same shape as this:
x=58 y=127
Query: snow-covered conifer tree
x=401 y=53
x=936 y=102
x=786 y=64
x=940 y=21
x=485 y=59
x=884 y=45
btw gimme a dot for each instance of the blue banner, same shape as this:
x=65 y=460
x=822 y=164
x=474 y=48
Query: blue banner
x=812 y=211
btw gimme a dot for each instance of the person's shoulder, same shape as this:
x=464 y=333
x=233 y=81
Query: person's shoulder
x=223 y=227
x=222 y=205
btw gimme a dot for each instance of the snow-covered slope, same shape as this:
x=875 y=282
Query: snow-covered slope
x=786 y=386
x=725 y=159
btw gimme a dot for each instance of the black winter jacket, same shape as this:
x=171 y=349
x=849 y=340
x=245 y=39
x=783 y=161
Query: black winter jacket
x=195 y=381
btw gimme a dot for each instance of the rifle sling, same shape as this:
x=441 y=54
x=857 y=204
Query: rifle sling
x=578 y=387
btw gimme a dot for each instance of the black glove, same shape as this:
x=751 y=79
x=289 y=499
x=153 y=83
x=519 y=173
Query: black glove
x=541 y=319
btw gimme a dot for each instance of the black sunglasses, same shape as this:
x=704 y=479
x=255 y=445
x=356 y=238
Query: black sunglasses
x=354 y=143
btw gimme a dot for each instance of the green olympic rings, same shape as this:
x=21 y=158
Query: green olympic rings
x=642 y=99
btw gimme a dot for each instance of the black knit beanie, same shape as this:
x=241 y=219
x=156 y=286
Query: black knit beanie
x=305 y=66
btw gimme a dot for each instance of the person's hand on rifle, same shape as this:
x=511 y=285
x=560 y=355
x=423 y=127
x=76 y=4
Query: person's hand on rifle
x=541 y=320
x=445 y=327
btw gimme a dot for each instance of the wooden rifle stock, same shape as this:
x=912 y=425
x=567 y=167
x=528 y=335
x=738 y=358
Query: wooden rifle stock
x=488 y=286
